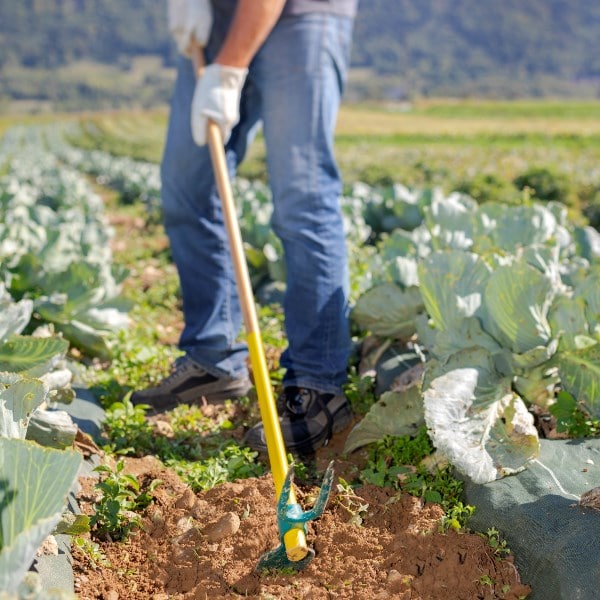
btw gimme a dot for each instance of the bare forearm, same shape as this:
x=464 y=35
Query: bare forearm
x=252 y=23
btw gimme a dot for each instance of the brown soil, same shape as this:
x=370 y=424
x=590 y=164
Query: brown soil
x=207 y=545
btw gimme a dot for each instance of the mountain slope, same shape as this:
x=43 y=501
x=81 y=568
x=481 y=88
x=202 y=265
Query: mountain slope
x=407 y=47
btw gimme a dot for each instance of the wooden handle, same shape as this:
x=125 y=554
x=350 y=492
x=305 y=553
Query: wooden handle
x=197 y=58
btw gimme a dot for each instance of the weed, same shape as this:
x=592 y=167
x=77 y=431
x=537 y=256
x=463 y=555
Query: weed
x=349 y=501
x=271 y=325
x=138 y=361
x=486 y=580
x=196 y=448
x=127 y=429
x=497 y=544
x=186 y=419
x=225 y=464
x=115 y=515
x=301 y=471
x=571 y=418
x=92 y=551
x=360 y=392
x=488 y=187
x=398 y=462
x=545 y=183
x=456 y=516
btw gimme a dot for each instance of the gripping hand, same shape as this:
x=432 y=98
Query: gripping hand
x=217 y=97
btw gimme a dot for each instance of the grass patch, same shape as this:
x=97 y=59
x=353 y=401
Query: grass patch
x=405 y=463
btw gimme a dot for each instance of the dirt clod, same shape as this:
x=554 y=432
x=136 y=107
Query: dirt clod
x=226 y=526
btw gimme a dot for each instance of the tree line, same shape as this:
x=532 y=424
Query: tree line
x=425 y=47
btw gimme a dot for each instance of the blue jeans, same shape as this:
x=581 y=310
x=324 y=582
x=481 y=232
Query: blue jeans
x=293 y=88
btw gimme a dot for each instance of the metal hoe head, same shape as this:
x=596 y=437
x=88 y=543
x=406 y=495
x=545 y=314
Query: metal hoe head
x=291 y=516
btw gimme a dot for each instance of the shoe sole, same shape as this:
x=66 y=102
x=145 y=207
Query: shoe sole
x=216 y=396
x=161 y=404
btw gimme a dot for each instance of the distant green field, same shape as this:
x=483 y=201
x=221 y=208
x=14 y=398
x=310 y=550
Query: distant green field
x=535 y=109
x=472 y=117
x=479 y=147
x=7 y=121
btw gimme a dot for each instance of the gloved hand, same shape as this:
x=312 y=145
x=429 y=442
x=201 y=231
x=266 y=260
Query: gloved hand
x=189 y=18
x=217 y=97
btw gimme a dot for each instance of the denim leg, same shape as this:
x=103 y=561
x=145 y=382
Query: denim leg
x=300 y=71
x=193 y=220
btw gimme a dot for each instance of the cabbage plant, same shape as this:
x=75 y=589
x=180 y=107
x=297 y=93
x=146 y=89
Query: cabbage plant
x=511 y=306
x=55 y=251
x=34 y=483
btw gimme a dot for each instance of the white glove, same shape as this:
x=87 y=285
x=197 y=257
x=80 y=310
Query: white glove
x=217 y=97
x=189 y=18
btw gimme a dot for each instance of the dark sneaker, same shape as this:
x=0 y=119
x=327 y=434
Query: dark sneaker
x=188 y=383
x=308 y=420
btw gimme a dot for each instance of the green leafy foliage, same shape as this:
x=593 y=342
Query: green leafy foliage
x=360 y=391
x=388 y=310
x=400 y=451
x=497 y=544
x=56 y=251
x=488 y=187
x=227 y=463
x=544 y=184
x=482 y=427
x=32 y=356
x=196 y=448
x=72 y=524
x=579 y=372
x=526 y=242
x=456 y=516
x=116 y=513
x=394 y=414
x=571 y=418
x=511 y=316
x=91 y=550
x=398 y=462
x=138 y=361
x=128 y=430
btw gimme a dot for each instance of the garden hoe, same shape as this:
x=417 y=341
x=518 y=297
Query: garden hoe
x=293 y=551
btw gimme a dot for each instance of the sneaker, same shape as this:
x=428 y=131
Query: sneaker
x=308 y=419
x=187 y=383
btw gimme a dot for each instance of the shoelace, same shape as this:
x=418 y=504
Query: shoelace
x=299 y=401
x=177 y=370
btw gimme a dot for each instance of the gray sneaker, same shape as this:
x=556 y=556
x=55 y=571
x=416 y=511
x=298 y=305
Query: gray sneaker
x=188 y=383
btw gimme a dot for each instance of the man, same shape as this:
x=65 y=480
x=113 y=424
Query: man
x=282 y=63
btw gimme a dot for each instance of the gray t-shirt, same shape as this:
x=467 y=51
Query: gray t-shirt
x=338 y=7
x=298 y=7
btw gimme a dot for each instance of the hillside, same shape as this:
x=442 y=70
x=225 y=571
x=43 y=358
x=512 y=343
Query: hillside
x=459 y=47
x=109 y=53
